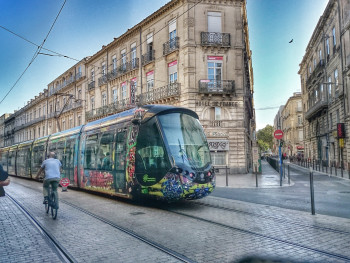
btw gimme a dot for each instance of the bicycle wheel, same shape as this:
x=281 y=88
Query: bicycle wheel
x=53 y=206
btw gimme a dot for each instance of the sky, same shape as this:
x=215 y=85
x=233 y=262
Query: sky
x=84 y=26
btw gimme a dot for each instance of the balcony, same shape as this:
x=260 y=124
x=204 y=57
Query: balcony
x=213 y=39
x=317 y=107
x=147 y=58
x=102 y=80
x=91 y=85
x=166 y=92
x=316 y=73
x=170 y=46
x=109 y=109
x=207 y=86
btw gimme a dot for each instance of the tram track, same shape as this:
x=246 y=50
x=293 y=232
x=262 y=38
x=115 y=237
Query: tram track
x=65 y=255
x=164 y=249
x=56 y=246
x=265 y=236
x=275 y=218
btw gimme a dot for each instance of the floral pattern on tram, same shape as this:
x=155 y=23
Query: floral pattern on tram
x=130 y=158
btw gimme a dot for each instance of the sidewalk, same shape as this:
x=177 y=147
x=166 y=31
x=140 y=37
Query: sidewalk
x=269 y=178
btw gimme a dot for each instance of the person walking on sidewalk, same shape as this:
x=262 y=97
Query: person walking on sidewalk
x=52 y=168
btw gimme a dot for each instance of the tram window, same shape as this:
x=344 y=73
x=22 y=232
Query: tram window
x=68 y=156
x=91 y=150
x=52 y=147
x=120 y=151
x=60 y=145
x=38 y=157
x=106 y=147
x=151 y=157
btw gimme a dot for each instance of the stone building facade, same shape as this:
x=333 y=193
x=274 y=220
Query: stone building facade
x=324 y=74
x=189 y=53
x=292 y=119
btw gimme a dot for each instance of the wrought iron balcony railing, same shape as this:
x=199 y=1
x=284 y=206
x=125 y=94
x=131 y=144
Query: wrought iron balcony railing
x=214 y=39
x=170 y=46
x=316 y=107
x=168 y=91
x=91 y=85
x=148 y=57
x=216 y=86
x=102 y=80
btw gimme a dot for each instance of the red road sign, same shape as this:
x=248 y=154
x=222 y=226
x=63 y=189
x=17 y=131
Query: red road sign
x=64 y=182
x=278 y=134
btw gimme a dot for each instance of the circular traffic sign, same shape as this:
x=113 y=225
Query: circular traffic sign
x=278 y=134
x=64 y=182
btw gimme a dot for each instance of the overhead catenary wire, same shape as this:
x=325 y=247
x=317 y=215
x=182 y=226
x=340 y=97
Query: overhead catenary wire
x=35 y=54
x=31 y=42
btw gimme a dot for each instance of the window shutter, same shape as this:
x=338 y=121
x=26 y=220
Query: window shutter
x=214 y=22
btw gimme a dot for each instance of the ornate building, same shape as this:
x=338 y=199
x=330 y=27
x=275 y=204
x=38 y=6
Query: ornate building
x=292 y=119
x=189 y=53
x=324 y=84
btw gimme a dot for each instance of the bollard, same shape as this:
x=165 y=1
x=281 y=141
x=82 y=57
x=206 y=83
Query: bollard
x=256 y=176
x=284 y=171
x=313 y=164
x=288 y=175
x=226 y=176
x=341 y=168
x=312 y=192
x=335 y=168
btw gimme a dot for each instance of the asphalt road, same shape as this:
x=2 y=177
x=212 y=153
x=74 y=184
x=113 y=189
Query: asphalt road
x=332 y=195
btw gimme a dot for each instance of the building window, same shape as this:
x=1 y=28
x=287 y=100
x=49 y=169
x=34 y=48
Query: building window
x=336 y=79
x=115 y=95
x=123 y=86
x=320 y=54
x=330 y=121
x=327 y=46
x=123 y=59
x=92 y=100
x=133 y=55
x=218 y=158
x=172 y=33
x=149 y=40
x=172 y=71
x=330 y=87
x=79 y=120
x=150 y=80
x=114 y=62
x=103 y=69
x=214 y=22
x=104 y=99
x=215 y=70
x=334 y=39
x=92 y=75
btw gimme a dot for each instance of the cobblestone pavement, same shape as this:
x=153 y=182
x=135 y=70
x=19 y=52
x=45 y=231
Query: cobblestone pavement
x=210 y=230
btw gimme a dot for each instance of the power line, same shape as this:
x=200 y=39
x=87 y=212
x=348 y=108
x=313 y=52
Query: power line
x=25 y=39
x=35 y=54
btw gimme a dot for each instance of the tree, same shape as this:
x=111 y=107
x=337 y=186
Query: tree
x=265 y=137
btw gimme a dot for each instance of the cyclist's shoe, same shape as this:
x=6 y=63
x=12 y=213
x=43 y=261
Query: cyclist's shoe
x=45 y=200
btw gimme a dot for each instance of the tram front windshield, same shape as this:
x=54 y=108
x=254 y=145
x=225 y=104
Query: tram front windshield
x=186 y=140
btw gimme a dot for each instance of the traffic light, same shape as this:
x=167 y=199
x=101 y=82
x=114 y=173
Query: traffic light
x=281 y=143
x=341 y=130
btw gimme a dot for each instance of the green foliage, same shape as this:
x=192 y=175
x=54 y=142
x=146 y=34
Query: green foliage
x=265 y=137
x=263 y=145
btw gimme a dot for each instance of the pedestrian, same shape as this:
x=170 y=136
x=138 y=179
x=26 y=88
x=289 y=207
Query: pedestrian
x=52 y=168
x=4 y=180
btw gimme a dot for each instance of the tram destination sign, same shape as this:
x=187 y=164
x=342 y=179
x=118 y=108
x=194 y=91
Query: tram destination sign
x=278 y=134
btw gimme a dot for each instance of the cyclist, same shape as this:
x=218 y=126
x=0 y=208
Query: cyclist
x=52 y=169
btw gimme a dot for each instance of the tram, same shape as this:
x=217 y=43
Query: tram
x=158 y=151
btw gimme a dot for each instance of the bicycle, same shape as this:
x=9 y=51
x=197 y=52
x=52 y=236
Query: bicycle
x=51 y=203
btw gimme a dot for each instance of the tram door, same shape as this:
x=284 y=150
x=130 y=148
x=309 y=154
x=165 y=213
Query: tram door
x=120 y=156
